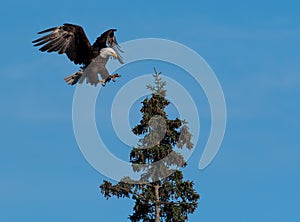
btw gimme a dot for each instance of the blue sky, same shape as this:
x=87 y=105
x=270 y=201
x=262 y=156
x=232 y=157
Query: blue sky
x=253 y=48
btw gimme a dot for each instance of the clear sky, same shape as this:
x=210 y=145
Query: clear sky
x=253 y=48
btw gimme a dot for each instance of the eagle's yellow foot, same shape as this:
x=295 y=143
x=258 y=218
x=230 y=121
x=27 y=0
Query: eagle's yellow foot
x=114 y=76
x=110 y=77
x=103 y=82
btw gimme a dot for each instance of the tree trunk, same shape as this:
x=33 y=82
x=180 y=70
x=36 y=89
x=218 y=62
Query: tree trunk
x=157 y=205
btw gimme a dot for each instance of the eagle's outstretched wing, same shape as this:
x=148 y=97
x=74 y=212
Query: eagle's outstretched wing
x=108 y=38
x=69 y=39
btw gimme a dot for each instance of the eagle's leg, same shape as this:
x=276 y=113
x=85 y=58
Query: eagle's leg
x=110 y=77
x=114 y=76
x=103 y=82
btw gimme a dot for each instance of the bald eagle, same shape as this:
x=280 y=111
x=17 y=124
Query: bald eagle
x=71 y=40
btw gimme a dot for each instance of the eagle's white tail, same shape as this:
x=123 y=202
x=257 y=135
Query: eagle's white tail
x=73 y=79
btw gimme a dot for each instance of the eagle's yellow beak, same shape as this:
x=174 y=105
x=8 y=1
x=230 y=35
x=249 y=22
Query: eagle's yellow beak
x=115 y=55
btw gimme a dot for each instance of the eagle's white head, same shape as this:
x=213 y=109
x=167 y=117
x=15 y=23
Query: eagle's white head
x=107 y=52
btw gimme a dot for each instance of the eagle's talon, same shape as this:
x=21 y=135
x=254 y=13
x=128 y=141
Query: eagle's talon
x=114 y=76
x=103 y=82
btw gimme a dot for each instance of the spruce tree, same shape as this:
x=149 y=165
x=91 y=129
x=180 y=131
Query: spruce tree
x=161 y=194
